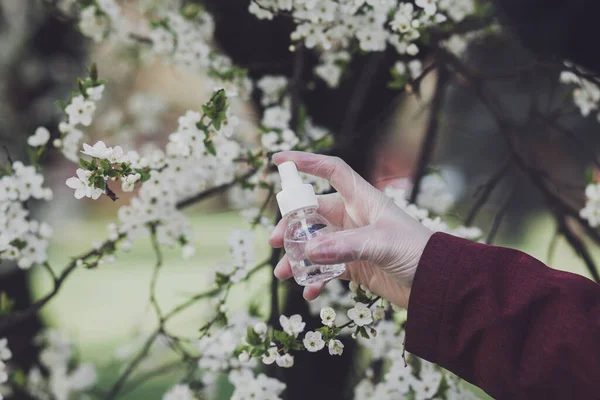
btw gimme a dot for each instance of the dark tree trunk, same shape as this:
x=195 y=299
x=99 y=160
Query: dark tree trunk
x=54 y=48
x=357 y=113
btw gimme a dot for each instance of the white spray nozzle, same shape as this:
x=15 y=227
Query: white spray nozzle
x=289 y=175
x=294 y=194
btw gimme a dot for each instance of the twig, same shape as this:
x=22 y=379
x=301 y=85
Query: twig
x=347 y=324
x=359 y=96
x=23 y=315
x=141 y=39
x=155 y=272
x=51 y=272
x=274 y=259
x=186 y=304
x=585 y=148
x=498 y=219
x=486 y=191
x=557 y=204
x=212 y=191
x=118 y=385
x=158 y=371
x=552 y=247
x=15 y=319
x=428 y=145
x=578 y=246
x=295 y=88
x=8 y=156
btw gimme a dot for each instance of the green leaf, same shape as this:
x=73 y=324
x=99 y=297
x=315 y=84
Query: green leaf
x=280 y=336
x=6 y=303
x=396 y=85
x=264 y=185
x=252 y=337
x=81 y=87
x=99 y=182
x=442 y=388
x=32 y=155
x=363 y=332
x=93 y=72
x=217 y=123
x=145 y=174
x=191 y=11
x=61 y=104
x=19 y=244
x=254 y=309
x=589 y=176
x=85 y=164
x=210 y=147
x=19 y=378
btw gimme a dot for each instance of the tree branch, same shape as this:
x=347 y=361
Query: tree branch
x=295 y=87
x=556 y=203
x=212 y=191
x=155 y=272
x=498 y=219
x=359 y=96
x=118 y=385
x=578 y=246
x=487 y=190
x=17 y=318
x=431 y=134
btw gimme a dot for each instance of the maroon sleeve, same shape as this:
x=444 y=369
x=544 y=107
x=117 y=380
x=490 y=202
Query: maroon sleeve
x=505 y=322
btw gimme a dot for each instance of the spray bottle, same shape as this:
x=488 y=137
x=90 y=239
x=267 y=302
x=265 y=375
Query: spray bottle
x=298 y=203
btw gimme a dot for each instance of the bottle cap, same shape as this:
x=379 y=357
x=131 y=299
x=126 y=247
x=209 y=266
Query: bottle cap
x=294 y=194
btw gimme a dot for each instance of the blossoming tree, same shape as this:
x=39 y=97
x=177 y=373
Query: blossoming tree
x=209 y=154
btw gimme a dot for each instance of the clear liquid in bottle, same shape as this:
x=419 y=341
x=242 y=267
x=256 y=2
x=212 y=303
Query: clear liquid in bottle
x=304 y=225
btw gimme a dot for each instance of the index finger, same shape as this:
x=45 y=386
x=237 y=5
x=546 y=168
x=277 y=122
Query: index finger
x=343 y=178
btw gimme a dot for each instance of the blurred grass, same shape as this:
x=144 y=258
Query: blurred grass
x=103 y=308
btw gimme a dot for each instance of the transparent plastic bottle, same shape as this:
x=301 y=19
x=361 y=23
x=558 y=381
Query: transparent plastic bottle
x=298 y=204
x=303 y=225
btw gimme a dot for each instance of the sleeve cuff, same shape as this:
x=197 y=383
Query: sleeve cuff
x=428 y=294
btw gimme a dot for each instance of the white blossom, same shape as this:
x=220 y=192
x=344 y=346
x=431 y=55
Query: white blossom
x=95 y=93
x=313 y=341
x=436 y=224
x=5 y=353
x=98 y=150
x=276 y=117
x=80 y=111
x=179 y=392
x=328 y=316
x=39 y=138
x=82 y=186
x=271 y=86
x=248 y=386
x=70 y=140
x=285 y=361
x=435 y=194
x=260 y=328
x=591 y=211
x=335 y=347
x=360 y=314
x=292 y=325
x=271 y=356
x=93 y=24
x=244 y=357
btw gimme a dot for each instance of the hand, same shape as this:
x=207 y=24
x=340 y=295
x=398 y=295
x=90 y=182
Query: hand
x=380 y=244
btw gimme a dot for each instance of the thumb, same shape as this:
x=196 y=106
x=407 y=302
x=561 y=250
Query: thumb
x=345 y=246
